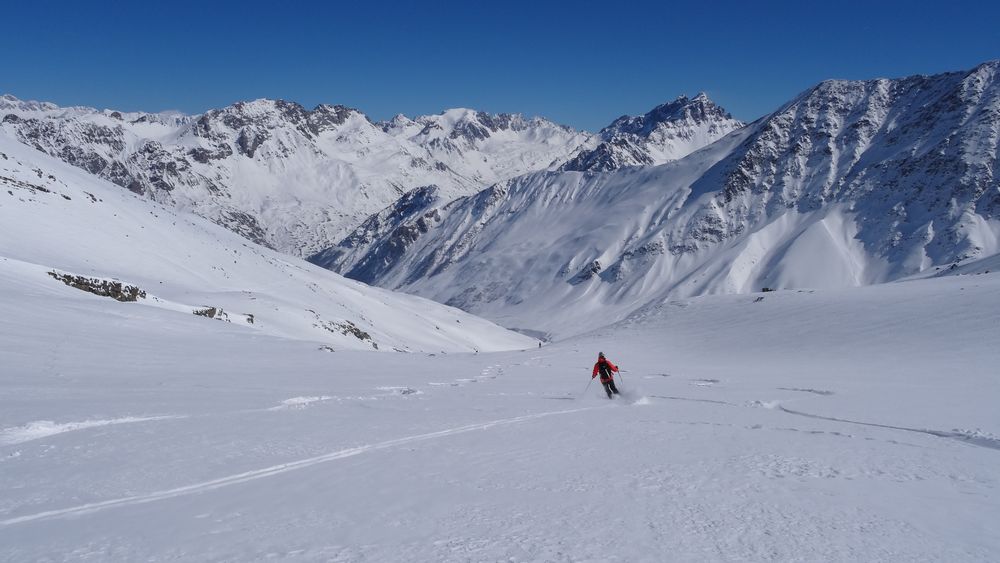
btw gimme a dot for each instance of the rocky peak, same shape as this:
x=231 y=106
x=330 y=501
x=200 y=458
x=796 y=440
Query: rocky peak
x=398 y=122
x=325 y=116
x=473 y=126
x=667 y=132
x=249 y=124
x=262 y=112
x=684 y=110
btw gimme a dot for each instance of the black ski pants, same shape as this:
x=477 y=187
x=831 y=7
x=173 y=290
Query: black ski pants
x=609 y=386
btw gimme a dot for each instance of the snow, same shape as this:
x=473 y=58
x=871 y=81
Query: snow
x=44 y=428
x=852 y=183
x=299 y=180
x=309 y=181
x=668 y=132
x=59 y=219
x=831 y=425
x=239 y=404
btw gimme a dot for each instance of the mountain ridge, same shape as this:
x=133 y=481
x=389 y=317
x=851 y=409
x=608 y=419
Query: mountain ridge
x=287 y=177
x=850 y=183
x=282 y=175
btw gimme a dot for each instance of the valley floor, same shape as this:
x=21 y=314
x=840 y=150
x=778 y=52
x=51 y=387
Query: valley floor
x=837 y=426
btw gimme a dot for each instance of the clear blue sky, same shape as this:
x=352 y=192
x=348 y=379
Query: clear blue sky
x=581 y=63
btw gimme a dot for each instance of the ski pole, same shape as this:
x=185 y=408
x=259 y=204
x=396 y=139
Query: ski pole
x=588 y=387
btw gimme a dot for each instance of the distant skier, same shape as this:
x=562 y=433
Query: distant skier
x=606 y=369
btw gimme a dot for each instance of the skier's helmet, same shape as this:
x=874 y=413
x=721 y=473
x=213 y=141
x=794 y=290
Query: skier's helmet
x=600 y=354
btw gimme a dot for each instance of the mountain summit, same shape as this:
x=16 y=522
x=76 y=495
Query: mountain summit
x=667 y=132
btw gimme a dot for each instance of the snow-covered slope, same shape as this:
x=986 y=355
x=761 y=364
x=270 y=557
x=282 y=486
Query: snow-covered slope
x=70 y=238
x=667 y=132
x=837 y=425
x=283 y=176
x=851 y=183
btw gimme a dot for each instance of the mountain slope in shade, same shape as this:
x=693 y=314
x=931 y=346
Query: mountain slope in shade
x=851 y=183
x=667 y=132
x=286 y=177
x=82 y=242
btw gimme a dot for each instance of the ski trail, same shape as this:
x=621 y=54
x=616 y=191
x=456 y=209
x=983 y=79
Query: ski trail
x=971 y=438
x=806 y=390
x=276 y=469
x=672 y=398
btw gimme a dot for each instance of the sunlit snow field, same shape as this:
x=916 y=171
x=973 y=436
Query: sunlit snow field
x=832 y=425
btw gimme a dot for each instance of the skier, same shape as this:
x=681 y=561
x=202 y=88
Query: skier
x=606 y=369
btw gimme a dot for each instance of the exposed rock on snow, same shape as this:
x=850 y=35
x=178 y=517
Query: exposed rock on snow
x=105 y=288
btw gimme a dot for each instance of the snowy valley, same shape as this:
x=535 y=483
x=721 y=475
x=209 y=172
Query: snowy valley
x=830 y=425
x=805 y=310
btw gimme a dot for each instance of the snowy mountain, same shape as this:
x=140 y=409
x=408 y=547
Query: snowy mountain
x=294 y=179
x=667 y=132
x=73 y=239
x=173 y=392
x=851 y=183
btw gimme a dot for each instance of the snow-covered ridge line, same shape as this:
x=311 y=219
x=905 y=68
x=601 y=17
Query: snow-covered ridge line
x=299 y=180
x=851 y=183
x=281 y=175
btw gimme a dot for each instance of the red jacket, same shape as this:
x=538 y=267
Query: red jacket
x=611 y=368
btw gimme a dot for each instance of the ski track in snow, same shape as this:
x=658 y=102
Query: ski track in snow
x=974 y=438
x=971 y=437
x=45 y=428
x=400 y=390
x=39 y=429
x=822 y=392
x=673 y=398
x=276 y=469
x=489 y=372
